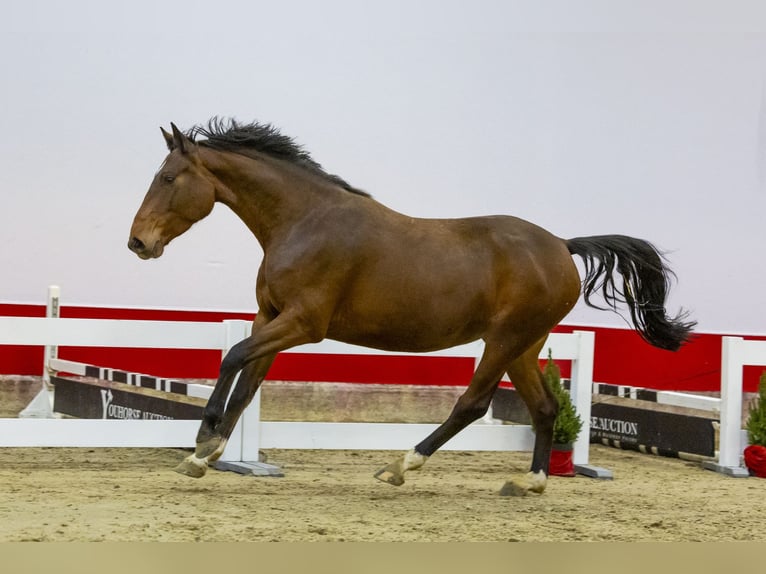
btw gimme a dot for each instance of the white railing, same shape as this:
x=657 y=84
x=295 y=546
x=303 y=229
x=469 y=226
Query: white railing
x=50 y=331
x=251 y=433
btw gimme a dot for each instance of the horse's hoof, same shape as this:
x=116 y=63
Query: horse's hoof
x=531 y=482
x=192 y=466
x=510 y=488
x=390 y=476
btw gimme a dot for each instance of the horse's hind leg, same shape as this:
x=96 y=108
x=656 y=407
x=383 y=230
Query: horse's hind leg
x=528 y=380
x=525 y=373
x=212 y=437
x=472 y=405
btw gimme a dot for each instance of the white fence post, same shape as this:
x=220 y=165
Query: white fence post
x=581 y=392
x=41 y=407
x=731 y=402
x=242 y=452
x=234 y=333
x=52 y=309
x=735 y=354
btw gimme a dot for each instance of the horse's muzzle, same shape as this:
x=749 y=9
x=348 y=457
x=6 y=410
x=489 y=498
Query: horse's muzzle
x=136 y=245
x=139 y=248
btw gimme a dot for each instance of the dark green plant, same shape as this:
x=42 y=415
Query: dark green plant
x=568 y=422
x=756 y=420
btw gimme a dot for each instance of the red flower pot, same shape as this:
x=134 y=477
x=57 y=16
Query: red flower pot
x=755 y=460
x=561 y=461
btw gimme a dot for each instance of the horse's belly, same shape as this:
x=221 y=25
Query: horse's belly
x=402 y=343
x=408 y=332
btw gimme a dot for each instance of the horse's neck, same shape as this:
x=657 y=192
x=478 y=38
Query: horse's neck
x=268 y=197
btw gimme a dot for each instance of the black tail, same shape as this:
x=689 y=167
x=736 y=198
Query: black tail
x=645 y=285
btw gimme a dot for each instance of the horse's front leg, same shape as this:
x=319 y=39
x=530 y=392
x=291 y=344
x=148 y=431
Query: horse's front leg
x=213 y=413
x=253 y=356
x=212 y=437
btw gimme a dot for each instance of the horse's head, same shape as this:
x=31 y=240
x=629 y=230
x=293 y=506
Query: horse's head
x=182 y=193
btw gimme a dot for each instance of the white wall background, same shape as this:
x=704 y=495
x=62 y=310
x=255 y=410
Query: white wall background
x=646 y=118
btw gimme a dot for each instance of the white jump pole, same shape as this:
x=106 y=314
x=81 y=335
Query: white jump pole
x=52 y=309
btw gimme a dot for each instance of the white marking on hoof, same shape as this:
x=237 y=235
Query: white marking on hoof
x=216 y=454
x=532 y=482
x=413 y=460
x=394 y=472
x=537 y=481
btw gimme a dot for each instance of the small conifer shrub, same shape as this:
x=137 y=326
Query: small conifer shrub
x=756 y=421
x=568 y=422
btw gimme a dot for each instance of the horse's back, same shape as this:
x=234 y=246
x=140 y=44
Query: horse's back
x=422 y=284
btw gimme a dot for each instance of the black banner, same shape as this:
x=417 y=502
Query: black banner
x=666 y=433
x=108 y=400
x=631 y=428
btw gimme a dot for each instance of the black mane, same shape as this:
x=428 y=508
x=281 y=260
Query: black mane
x=232 y=136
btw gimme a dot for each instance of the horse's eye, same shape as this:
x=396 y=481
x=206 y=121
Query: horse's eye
x=168 y=178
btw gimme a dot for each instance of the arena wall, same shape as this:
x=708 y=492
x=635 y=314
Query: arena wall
x=644 y=119
x=622 y=358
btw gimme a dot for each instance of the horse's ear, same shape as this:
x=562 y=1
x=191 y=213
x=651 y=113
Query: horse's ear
x=182 y=142
x=168 y=139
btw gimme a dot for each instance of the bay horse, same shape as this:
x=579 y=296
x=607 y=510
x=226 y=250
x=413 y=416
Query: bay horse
x=338 y=264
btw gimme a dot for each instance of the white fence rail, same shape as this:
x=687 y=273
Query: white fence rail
x=51 y=331
x=253 y=434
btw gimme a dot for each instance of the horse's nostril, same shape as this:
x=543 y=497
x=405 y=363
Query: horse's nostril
x=135 y=244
